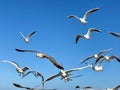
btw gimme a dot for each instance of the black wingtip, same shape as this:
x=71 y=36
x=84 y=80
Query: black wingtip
x=19 y=50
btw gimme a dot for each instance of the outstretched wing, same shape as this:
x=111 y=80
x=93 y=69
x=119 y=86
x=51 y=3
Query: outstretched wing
x=101 y=52
x=87 y=59
x=77 y=38
x=90 y=11
x=53 y=61
x=51 y=77
x=90 y=30
x=20 y=50
x=31 y=34
x=77 y=69
x=11 y=62
x=73 y=16
x=115 y=57
x=19 y=86
x=115 y=34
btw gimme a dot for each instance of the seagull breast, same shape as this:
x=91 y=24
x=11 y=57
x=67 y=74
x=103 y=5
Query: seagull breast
x=41 y=55
x=97 y=68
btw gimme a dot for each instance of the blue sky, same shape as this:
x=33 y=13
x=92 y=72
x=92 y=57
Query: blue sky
x=55 y=36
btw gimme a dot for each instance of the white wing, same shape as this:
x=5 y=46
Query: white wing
x=22 y=35
x=90 y=30
x=11 y=62
x=77 y=69
x=73 y=16
x=90 y=11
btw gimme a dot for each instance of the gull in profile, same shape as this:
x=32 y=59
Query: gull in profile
x=21 y=71
x=87 y=35
x=115 y=34
x=42 y=55
x=114 y=88
x=36 y=74
x=97 y=55
x=26 y=39
x=108 y=58
x=83 y=19
x=65 y=74
x=28 y=88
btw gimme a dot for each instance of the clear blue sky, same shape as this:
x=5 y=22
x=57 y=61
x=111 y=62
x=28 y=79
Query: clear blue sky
x=56 y=37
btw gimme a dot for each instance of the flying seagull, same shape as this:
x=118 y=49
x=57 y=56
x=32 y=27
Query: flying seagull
x=96 y=67
x=21 y=71
x=77 y=87
x=36 y=74
x=108 y=58
x=96 y=56
x=26 y=39
x=83 y=19
x=28 y=88
x=114 y=88
x=87 y=35
x=65 y=74
x=42 y=55
x=115 y=34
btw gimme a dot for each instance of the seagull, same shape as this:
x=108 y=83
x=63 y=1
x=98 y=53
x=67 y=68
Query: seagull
x=28 y=88
x=36 y=74
x=77 y=87
x=96 y=56
x=87 y=35
x=88 y=88
x=115 y=88
x=26 y=39
x=65 y=74
x=42 y=55
x=96 y=67
x=115 y=34
x=83 y=19
x=108 y=58
x=18 y=69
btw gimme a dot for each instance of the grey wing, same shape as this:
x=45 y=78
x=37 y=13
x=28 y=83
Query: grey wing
x=101 y=52
x=54 y=61
x=11 y=62
x=87 y=59
x=31 y=34
x=116 y=87
x=73 y=16
x=90 y=30
x=90 y=11
x=112 y=57
x=18 y=85
x=115 y=34
x=51 y=77
x=20 y=50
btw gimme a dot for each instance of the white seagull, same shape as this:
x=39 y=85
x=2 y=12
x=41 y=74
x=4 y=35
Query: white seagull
x=97 y=55
x=96 y=67
x=42 y=55
x=87 y=35
x=108 y=58
x=83 y=19
x=26 y=39
x=18 y=69
x=115 y=34
x=66 y=74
